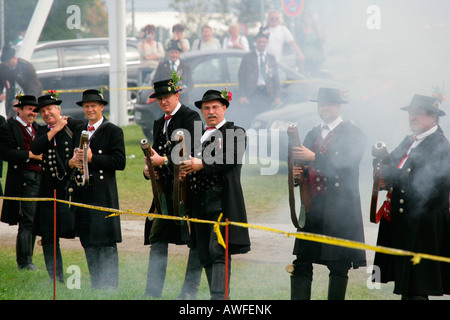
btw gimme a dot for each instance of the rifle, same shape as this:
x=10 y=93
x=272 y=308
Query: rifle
x=305 y=195
x=157 y=189
x=84 y=145
x=381 y=155
x=180 y=187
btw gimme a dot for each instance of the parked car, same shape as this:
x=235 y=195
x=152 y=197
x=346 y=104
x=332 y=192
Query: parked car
x=72 y=66
x=216 y=70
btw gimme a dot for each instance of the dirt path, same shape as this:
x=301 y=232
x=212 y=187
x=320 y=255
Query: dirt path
x=266 y=246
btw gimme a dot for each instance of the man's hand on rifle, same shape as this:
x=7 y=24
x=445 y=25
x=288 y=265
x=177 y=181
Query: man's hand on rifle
x=303 y=153
x=192 y=165
x=77 y=159
x=157 y=160
x=147 y=172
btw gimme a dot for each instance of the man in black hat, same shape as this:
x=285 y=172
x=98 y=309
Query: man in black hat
x=174 y=64
x=23 y=176
x=15 y=74
x=106 y=155
x=54 y=141
x=417 y=216
x=332 y=152
x=159 y=233
x=259 y=83
x=214 y=188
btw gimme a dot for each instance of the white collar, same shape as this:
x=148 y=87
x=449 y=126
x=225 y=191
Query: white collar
x=97 y=124
x=220 y=124
x=333 y=124
x=425 y=134
x=208 y=133
x=176 y=109
x=19 y=119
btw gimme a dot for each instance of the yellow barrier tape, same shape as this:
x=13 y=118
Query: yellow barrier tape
x=206 y=85
x=416 y=257
x=217 y=231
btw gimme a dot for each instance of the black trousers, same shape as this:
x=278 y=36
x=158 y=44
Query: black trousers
x=157 y=269
x=211 y=253
x=103 y=264
x=25 y=237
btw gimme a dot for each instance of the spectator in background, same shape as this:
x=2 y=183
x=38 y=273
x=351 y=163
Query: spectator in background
x=16 y=75
x=178 y=35
x=279 y=36
x=207 y=41
x=259 y=82
x=151 y=51
x=235 y=40
x=310 y=39
x=173 y=63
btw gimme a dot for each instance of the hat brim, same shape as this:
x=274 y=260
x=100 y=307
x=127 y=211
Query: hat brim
x=338 y=102
x=80 y=103
x=198 y=104
x=39 y=106
x=439 y=112
x=155 y=94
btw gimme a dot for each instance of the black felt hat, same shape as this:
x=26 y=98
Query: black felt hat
x=263 y=32
x=211 y=95
x=163 y=88
x=174 y=45
x=26 y=100
x=426 y=103
x=92 y=95
x=47 y=100
x=330 y=95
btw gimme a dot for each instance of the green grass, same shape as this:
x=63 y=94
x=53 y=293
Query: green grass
x=266 y=201
x=249 y=281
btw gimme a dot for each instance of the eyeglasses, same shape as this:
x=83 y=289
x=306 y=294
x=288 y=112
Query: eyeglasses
x=165 y=98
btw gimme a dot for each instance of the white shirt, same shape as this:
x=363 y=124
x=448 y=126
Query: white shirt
x=176 y=64
x=96 y=125
x=30 y=130
x=166 y=123
x=279 y=35
x=261 y=81
x=421 y=137
x=208 y=133
x=326 y=128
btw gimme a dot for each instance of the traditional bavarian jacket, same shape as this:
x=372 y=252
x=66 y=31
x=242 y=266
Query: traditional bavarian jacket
x=419 y=216
x=336 y=204
x=55 y=176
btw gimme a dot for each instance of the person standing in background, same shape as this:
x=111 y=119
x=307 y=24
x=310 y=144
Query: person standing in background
x=279 y=36
x=235 y=40
x=206 y=41
x=16 y=75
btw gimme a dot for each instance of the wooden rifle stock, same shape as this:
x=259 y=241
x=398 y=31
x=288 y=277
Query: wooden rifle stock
x=145 y=146
x=84 y=145
x=179 y=185
x=381 y=155
x=305 y=195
